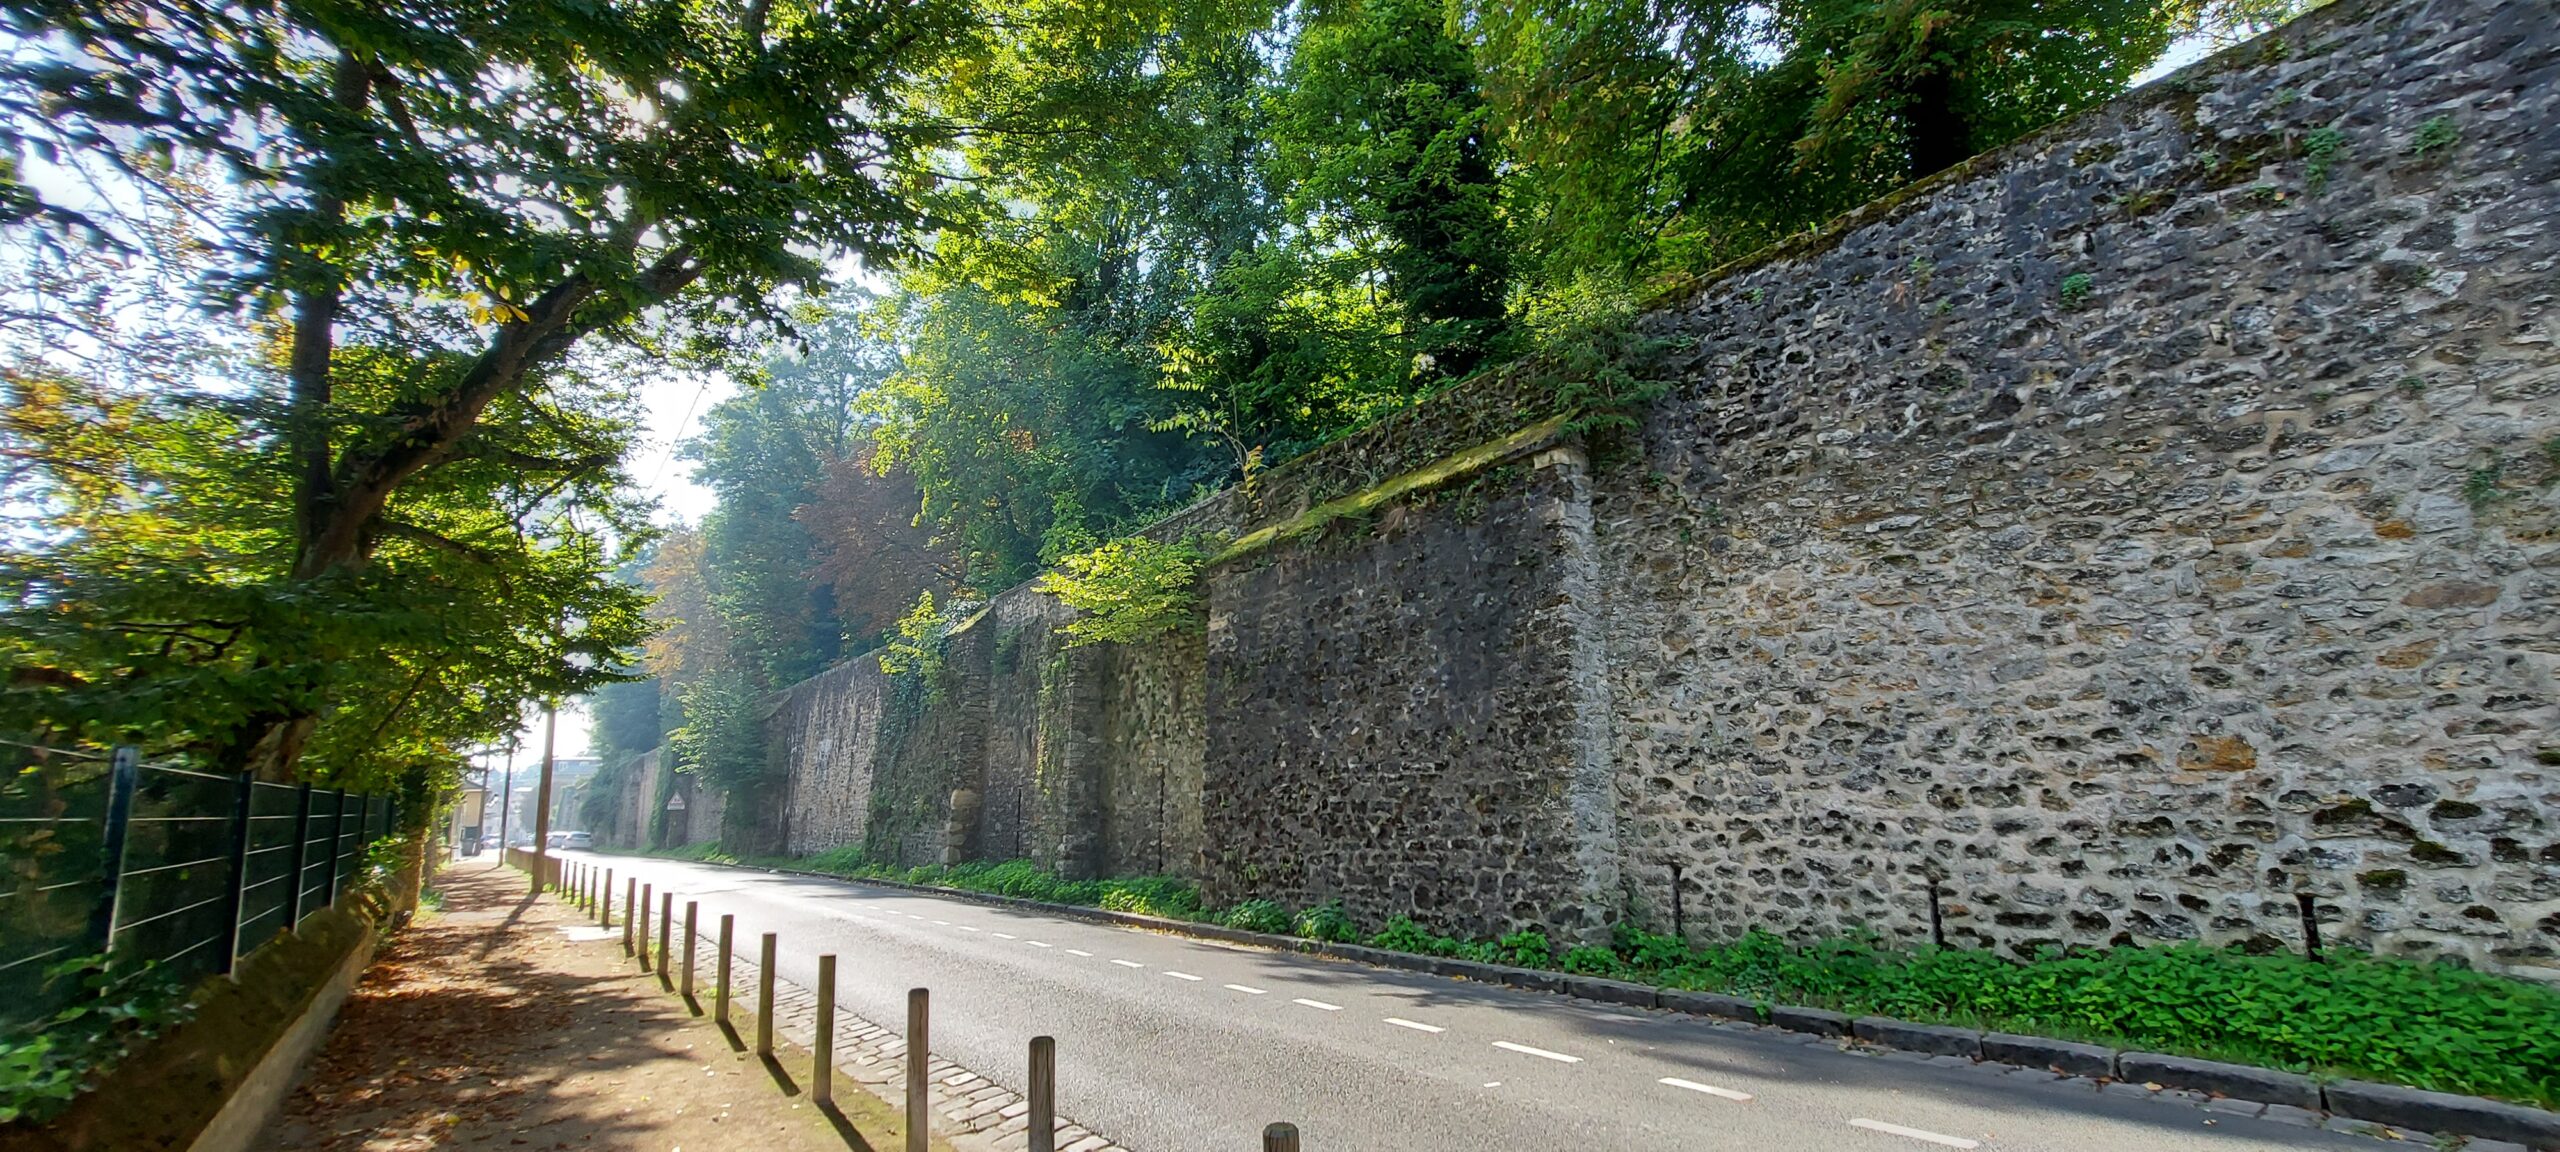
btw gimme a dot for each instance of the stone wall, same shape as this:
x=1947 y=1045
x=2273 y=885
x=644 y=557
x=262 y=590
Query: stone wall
x=2142 y=527
x=2127 y=533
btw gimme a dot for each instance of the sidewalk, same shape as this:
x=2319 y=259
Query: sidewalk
x=507 y=1023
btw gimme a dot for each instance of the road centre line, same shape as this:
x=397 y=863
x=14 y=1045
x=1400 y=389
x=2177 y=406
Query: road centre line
x=1245 y=990
x=1526 y=1050
x=965 y=928
x=1709 y=1089
x=1128 y=964
x=1319 y=1004
x=1035 y=943
x=1416 y=1025
x=1180 y=975
x=1004 y=935
x=1914 y=1133
x=1079 y=952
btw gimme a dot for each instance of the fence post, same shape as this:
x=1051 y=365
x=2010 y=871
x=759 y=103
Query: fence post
x=919 y=1053
x=1044 y=1094
x=822 y=1085
x=646 y=892
x=128 y=772
x=364 y=825
x=301 y=849
x=720 y=995
x=1280 y=1138
x=686 y=981
x=764 y=998
x=630 y=909
x=607 y=906
x=241 y=794
x=337 y=836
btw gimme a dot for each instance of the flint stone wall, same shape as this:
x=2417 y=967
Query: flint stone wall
x=2132 y=530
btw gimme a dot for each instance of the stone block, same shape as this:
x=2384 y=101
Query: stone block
x=2062 y=1056
x=2416 y=1108
x=1813 y=1020
x=1928 y=1038
x=2264 y=1085
x=1711 y=1004
x=1611 y=991
x=1529 y=978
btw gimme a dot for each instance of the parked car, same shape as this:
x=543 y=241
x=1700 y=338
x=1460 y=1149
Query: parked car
x=569 y=840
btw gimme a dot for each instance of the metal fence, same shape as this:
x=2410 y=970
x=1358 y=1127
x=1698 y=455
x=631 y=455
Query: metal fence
x=151 y=862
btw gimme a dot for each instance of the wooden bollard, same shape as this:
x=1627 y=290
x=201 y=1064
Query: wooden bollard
x=686 y=980
x=1044 y=1094
x=666 y=928
x=608 y=910
x=822 y=1085
x=764 y=998
x=720 y=995
x=646 y=891
x=1280 y=1138
x=919 y=1054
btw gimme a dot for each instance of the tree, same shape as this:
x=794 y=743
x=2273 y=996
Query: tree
x=1386 y=137
x=485 y=188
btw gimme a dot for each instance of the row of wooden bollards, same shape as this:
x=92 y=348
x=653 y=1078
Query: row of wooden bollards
x=591 y=888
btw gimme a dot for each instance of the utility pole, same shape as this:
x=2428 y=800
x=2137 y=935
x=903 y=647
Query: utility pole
x=506 y=799
x=542 y=798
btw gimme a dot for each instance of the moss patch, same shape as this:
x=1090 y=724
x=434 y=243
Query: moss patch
x=1423 y=479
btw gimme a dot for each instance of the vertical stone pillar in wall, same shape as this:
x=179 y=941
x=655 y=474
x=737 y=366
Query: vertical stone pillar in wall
x=1070 y=758
x=1574 y=616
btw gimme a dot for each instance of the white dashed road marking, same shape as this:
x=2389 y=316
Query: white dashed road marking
x=1003 y=935
x=944 y=923
x=1319 y=1004
x=1078 y=952
x=1243 y=989
x=1128 y=964
x=966 y=928
x=1526 y=1050
x=1401 y=1022
x=1914 y=1133
x=1180 y=975
x=1709 y=1089
x=1035 y=943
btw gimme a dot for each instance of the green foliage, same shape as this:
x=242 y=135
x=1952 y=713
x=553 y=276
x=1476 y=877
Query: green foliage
x=1256 y=916
x=1328 y=922
x=2437 y=135
x=1585 y=336
x=917 y=650
x=377 y=536
x=1590 y=960
x=706 y=852
x=122 y=1007
x=2485 y=485
x=1129 y=590
x=2075 y=290
x=722 y=740
x=2320 y=149
x=1146 y=895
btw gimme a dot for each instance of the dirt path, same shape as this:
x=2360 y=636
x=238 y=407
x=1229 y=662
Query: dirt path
x=502 y=1023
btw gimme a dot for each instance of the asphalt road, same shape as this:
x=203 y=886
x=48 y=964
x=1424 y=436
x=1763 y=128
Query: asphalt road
x=1167 y=1044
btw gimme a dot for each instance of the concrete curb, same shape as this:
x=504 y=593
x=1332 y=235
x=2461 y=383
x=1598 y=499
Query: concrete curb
x=2394 y=1105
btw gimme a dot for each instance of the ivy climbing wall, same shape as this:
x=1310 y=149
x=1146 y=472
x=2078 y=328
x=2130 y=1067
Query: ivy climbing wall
x=2129 y=535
